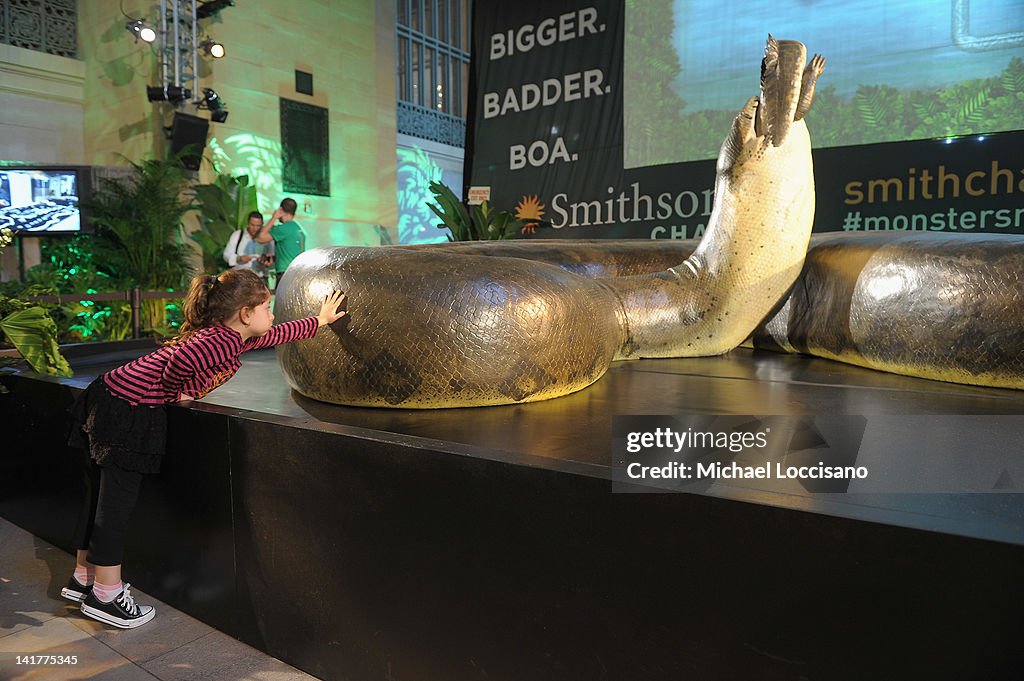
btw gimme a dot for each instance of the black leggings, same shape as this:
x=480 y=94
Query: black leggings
x=111 y=493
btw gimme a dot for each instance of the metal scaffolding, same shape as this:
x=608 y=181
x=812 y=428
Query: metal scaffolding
x=179 y=47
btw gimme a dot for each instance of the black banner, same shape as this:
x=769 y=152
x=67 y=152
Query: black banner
x=965 y=184
x=547 y=143
x=548 y=102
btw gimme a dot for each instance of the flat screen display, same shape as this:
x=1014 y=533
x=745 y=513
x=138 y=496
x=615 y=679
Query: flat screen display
x=895 y=70
x=42 y=202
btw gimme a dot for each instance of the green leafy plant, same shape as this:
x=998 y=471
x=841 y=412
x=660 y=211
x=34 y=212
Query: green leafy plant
x=33 y=333
x=30 y=329
x=138 y=239
x=224 y=206
x=69 y=268
x=85 y=320
x=479 y=223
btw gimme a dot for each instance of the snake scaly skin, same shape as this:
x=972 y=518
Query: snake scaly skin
x=929 y=305
x=444 y=327
x=926 y=304
x=932 y=305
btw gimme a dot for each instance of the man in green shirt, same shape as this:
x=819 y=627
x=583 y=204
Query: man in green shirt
x=288 y=237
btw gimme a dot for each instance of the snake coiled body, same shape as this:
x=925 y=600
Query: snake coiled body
x=948 y=307
x=440 y=327
x=433 y=329
x=506 y=322
x=941 y=306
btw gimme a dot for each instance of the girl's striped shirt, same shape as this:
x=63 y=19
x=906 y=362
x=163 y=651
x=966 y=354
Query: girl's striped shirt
x=200 y=363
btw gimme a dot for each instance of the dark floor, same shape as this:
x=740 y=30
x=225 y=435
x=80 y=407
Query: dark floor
x=35 y=623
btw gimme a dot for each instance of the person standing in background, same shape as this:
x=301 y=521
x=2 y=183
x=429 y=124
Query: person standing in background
x=244 y=252
x=288 y=237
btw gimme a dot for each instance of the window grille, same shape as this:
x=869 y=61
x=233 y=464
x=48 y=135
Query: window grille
x=49 y=26
x=432 y=68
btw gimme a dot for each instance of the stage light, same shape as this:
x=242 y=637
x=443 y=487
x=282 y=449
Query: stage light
x=167 y=93
x=213 y=102
x=211 y=7
x=212 y=48
x=140 y=30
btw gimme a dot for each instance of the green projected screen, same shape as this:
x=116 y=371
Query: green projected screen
x=895 y=70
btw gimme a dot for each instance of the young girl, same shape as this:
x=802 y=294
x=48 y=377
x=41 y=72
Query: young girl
x=120 y=419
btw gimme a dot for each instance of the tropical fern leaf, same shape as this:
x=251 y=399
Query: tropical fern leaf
x=1012 y=80
x=878 y=106
x=971 y=111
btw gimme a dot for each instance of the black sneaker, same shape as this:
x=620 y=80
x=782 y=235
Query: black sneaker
x=74 y=591
x=121 y=612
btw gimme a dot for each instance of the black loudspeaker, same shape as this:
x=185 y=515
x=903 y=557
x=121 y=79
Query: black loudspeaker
x=188 y=134
x=303 y=82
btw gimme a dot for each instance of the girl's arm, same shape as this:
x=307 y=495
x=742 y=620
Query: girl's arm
x=297 y=329
x=331 y=310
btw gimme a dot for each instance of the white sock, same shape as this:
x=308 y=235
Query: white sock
x=84 y=576
x=107 y=592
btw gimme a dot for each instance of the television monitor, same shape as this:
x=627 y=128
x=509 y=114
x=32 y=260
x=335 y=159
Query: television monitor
x=44 y=200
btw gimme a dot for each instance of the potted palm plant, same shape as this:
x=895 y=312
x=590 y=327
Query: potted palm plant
x=478 y=223
x=139 y=238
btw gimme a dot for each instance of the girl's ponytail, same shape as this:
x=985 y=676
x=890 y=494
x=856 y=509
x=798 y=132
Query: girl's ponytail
x=213 y=300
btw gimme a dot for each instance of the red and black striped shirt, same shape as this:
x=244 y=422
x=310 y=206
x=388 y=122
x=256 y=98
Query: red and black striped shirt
x=203 y=361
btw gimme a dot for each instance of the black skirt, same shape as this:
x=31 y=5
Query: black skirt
x=118 y=433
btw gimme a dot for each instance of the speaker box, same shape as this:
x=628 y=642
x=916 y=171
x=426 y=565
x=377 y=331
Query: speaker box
x=188 y=134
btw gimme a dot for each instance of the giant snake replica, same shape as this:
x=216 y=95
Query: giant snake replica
x=489 y=323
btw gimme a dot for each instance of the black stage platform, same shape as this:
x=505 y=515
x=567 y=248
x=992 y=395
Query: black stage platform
x=487 y=543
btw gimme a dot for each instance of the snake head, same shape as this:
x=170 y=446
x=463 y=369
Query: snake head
x=787 y=88
x=765 y=121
